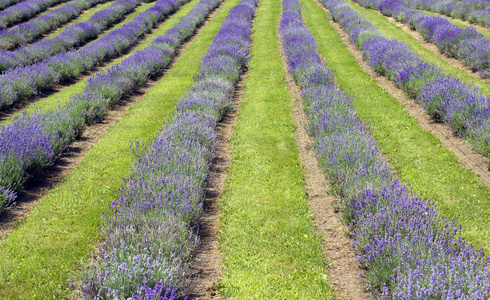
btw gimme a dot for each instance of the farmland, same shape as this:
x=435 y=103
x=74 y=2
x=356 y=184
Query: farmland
x=250 y=149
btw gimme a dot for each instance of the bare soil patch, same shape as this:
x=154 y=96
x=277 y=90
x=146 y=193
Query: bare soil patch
x=343 y=270
x=468 y=157
x=42 y=183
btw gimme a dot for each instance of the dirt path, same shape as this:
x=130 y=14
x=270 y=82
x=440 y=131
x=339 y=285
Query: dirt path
x=41 y=184
x=343 y=271
x=8 y=112
x=468 y=157
x=430 y=46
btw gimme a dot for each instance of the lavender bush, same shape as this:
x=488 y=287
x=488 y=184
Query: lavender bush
x=19 y=83
x=465 y=44
x=463 y=106
x=74 y=35
x=410 y=252
x=473 y=11
x=33 y=29
x=7 y=3
x=151 y=235
x=24 y=10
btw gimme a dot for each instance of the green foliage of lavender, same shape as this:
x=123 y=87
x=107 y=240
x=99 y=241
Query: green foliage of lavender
x=410 y=252
x=151 y=235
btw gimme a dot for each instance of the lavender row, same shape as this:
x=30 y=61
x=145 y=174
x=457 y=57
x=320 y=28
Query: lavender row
x=7 y=3
x=462 y=106
x=33 y=29
x=409 y=250
x=74 y=35
x=32 y=142
x=153 y=230
x=24 y=10
x=27 y=81
x=473 y=11
x=465 y=44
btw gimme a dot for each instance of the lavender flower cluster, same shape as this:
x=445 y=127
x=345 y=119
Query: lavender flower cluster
x=24 y=10
x=31 y=142
x=462 y=106
x=34 y=28
x=74 y=35
x=151 y=235
x=26 y=81
x=465 y=44
x=409 y=250
x=473 y=11
x=7 y=3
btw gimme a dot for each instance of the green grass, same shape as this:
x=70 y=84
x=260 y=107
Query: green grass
x=391 y=30
x=269 y=248
x=39 y=256
x=83 y=17
x=60 y=98
x=418 y=158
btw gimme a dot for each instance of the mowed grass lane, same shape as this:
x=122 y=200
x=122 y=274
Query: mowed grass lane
x=266 y=233
x=45 y=249
x=391 y=30
x=417 y=156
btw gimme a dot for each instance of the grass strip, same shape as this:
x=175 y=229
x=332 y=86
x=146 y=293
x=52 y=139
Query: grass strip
x=269 y=248
x=82 y=18
x=44 y=250
x=419 y=159
x=391 y=30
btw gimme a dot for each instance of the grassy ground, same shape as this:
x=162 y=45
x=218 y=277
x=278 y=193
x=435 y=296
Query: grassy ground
x=417 y=156
x=266 y=236
x=391 y=30
x=45 y=249
x=53 y=101
x=83 y=17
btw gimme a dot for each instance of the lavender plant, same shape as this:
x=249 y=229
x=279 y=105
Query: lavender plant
x=464 y=107
x=16 y=84
x=465 y=44
x=33 y=29
x=410 y=251
x=153 y=230
x=74 y=35
x=24 y=10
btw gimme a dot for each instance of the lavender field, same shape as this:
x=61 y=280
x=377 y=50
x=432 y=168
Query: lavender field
x=244 y=149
